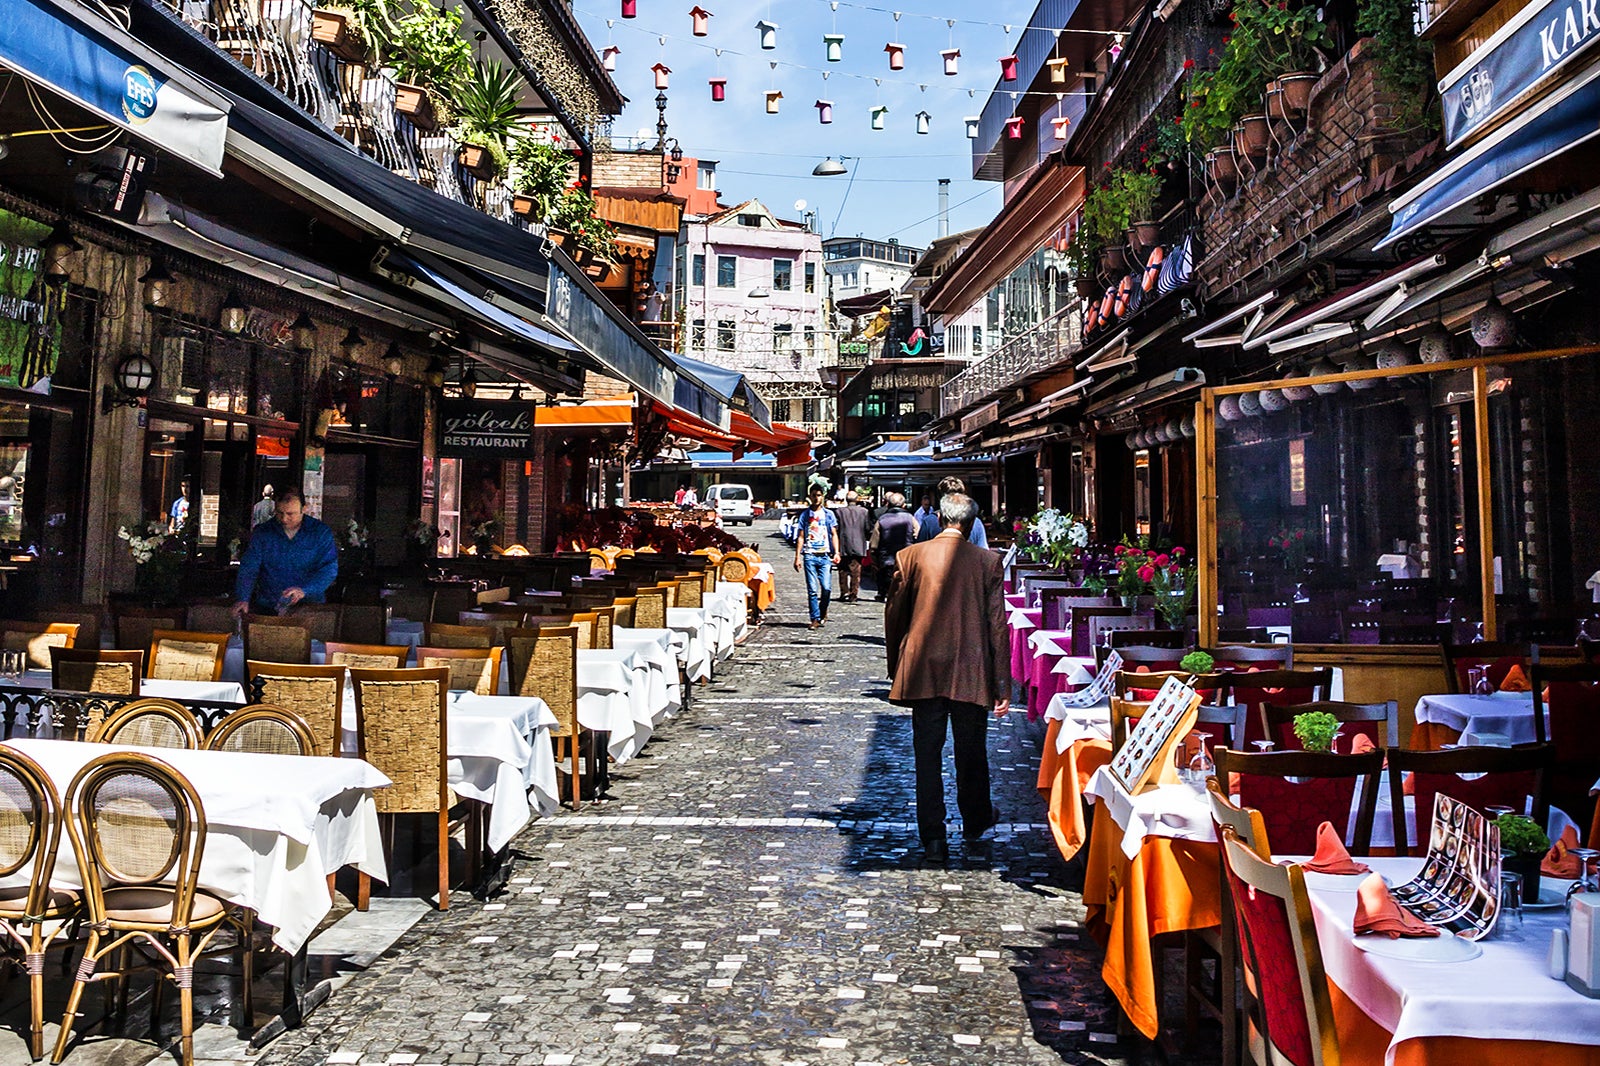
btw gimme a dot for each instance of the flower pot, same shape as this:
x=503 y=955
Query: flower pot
x=414 y=102
x=1274 y=98
x=1113 y=260
x=1297 y=91
x=598 y=270
x=1251 y=137
x=523 y=205
x=1528 y=867
x=1148 y=235
x=476 y=160
x=1223 y=169
x=1088 y=288
x=332 y=30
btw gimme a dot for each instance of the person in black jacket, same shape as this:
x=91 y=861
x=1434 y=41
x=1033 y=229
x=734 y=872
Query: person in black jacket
x=895 y=529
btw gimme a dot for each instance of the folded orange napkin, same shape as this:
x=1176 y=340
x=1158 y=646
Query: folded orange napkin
x=1377 y=912
x=1515 y=680
x=1331 y=856
x=1558 y=862
x=1360 y=744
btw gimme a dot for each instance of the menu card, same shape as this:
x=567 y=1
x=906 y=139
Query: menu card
x=1148 y=751
x=1458 y=887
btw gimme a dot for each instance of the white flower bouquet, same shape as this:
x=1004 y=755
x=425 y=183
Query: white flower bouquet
x=144 y=540
x=1052 y=536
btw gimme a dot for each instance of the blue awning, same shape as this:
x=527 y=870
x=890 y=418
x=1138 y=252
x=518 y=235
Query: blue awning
x=732 y=385
x=437 y=282
x=1563 y=120
x=726 y=461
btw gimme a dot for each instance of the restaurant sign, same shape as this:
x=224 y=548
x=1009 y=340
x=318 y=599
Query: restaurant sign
x=976 y=420
x=1541 y=39
x=485 y=429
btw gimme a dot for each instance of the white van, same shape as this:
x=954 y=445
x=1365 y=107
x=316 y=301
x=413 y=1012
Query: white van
x=734 y=503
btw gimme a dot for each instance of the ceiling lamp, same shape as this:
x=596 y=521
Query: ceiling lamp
x=60 y=253
x=303 y=333
x=1493 y=328
x=233 y=315
x=394 y=360
x=155 y=287
x=469 y=383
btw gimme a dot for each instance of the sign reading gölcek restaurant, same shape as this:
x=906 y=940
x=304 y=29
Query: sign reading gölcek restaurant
x=485 y=429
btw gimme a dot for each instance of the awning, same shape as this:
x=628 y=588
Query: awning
x=897 y=459
x=1563 y=120
x=101 y=67
x=439 y=282
x=731 y=385
x=778 y=438
x=608 y=414
x=727 y=461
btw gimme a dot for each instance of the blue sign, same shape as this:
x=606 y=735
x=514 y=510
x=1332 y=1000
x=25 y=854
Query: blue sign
x=1541 y=39
x=139 y=90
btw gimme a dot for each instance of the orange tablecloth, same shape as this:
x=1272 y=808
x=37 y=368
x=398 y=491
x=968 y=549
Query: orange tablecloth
x=1363 y=1041
x=1431 y=736
x=1061 y=779
x=766 y=591
x=1169 y=887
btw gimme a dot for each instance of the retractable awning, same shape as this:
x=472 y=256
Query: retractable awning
x=601 y=414
x=732 y=385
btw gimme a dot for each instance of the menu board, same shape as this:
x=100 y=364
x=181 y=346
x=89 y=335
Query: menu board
x=1458 y=887
x=1100 y=687
x=1147 y=755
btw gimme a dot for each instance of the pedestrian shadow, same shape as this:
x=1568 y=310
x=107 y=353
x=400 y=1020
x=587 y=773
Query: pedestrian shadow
x=862 y=638
x=1069 y=1008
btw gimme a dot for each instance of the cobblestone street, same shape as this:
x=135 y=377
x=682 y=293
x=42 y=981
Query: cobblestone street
x=753 y=892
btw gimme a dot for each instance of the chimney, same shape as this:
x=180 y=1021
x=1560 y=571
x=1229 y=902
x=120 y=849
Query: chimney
x=944 y=207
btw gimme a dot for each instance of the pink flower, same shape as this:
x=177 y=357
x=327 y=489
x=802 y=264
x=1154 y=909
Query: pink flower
x=1272 y=542
x=1119 y=550
x=1146 y=574
x=1162 y=559
x=1299 y=534
x=1179 y=550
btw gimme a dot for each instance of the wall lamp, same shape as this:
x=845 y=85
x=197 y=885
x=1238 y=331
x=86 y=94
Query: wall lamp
x=233 y=315
x=132 y=377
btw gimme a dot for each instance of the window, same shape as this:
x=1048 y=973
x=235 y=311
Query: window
x=811 y=277
x=811 y=340
x=811 y=409
x=751 y=220
x=782 y=274
x=697 y=335
x=724 y=335
x=699 y=269
x=727 y=271
x=705 y=176
x=780 y=410
x=782 y=337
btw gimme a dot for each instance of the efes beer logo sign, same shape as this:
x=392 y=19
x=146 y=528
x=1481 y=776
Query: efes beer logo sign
x=138 y=95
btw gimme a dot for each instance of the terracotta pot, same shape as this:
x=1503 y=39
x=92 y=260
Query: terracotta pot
x=1297 y=91
x=1223 y=169
x=414 y=102
x=1275 y=108
x=1088 y=288
x=598 y=270
x=523 y=205
x=1135 y=250
x=1148 y=235
x=1252 y=138
x=1113 y=260
x=476 y=160
x=333 y=31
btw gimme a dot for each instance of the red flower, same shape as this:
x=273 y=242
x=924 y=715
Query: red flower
x=1119 y=550
x=1299 y=534
x=1272 y=542
x=1188 y=64
x=1162 y=559
x=1179 y=550
x=577 y=152
x=1146 y=573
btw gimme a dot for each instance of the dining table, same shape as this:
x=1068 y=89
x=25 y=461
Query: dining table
x=614 y=697
x=1077 y=742
x=699 y=632
x=1470 y=719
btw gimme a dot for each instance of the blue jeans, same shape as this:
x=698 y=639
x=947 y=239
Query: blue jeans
x=819 y=582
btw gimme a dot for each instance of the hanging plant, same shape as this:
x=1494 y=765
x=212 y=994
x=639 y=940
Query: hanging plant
x=542 y=173
x=1283 y=39
x=1405 y=62
x=421 y=42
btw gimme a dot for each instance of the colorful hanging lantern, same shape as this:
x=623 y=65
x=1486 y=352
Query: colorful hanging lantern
x=1008 y=68
x=950 y=56
x=879 y=111
x=897 y=55
x=1115 y=48
x=922 y=121
x=608 y=58
x=661 y=71
x=1014 y=127
x=1061 y=125
x=773 y=96
x=700 y=16
x=630 y=9
x=834 y=43
x=1058 y=71
x=719 y=89
x=972 y=122
x=824 y=111
x=769 y=34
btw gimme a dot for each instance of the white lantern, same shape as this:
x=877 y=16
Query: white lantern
x=769 y=34
x=1250 y=403
x=951 y=55
x=1273 y=400
x=834 y=43
x=1321 y=368
x=1493 y=328
x=1186 y=427
x=922 y=121
x=1391 y=354
x=1436 y=345
x=773 y=96
x=971 y=122
x=608 y=58
x=878 y=113
x=824 y=111
x=1362 y=361
x=1228 y=409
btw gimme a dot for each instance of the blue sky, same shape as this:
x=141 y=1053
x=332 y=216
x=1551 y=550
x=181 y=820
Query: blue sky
x=769 y=157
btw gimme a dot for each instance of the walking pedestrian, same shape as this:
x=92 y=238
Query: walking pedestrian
x=854 y=527
x=816 y=550
x=929 y=525
x=950 y=662
x=895 y=529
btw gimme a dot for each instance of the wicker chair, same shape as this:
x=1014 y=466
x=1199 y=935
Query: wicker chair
x=37 y=638
x=182 y=655
x=321 y=620
x=211 y=618
x=138 y=831
x=89 y=617
x=544 y=663
x=445 y=635
x=315 y=693
x=735 y=568
x=691 y=592
x=586 y=623
x=450 y=600
x=622 y=611
x=604 y=619
x=367 y=656
x=401 y=728
x=132 y=626
x=276 y=640
x=471 y=669
x=30 y=834
x=650 y=609
x=495 y=621
x=364 y=624
x=115 y=673
x=263 y=729
x=151 y=722
x=671 y=588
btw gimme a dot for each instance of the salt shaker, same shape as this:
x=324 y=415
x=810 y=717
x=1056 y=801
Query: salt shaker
x=1555 y=960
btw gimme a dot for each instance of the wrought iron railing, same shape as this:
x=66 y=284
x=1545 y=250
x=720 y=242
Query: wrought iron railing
x=72 y=715
x=1043 y=346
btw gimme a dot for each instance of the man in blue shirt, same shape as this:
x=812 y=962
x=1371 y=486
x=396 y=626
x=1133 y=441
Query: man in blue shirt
x=816 y=550
x=290 y=560
x=928 y=526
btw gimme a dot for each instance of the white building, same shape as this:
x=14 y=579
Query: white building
x=857 y=266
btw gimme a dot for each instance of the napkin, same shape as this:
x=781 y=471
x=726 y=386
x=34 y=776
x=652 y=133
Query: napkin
x=1558 y=862
x=1331 y=856
x=1377 y=912
x=1360 y=744
x=1515 y=680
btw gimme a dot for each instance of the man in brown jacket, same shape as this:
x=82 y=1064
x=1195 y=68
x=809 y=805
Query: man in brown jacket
x=950 y=661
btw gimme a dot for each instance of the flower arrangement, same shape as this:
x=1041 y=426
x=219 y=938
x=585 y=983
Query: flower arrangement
x=1137 y=567
x=1051 y=536
x=356 y=535
x=1174 y=586
x=157 y=555
x=484 y=530
x=144 y=540
x=1291 y=544
x=423 y=534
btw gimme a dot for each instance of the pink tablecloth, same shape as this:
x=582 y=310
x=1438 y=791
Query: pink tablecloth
x=1022 y=621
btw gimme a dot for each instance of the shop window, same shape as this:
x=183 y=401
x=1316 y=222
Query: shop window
x=725 y=335
x=811 y=277
x=782 y=274
x=199 y=367
x=727 y=271
x=782 y=337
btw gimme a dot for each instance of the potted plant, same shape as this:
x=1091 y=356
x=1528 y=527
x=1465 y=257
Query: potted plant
x=1522 y=849
x=425 y=47
x=1105 y=215
x=541 y=175
x=1141 y=190
x=1197 y=662
x=1315 y=730
x=1083 y=258
x=1174 y=586
x=1405 y=62
x=485 y=105
x=338 y=29
x=158 y=557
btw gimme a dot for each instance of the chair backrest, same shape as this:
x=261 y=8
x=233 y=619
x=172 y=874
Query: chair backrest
x=1498 y=657
x=30 y=826
x=401 y=727
x=276 y=640
x=671 y=589
x=115 y=673
x=450 y=600
x=1150 y=643
x=499 y=594
x=1569 y=698
x=446 y=635
x=1057 y=604
x=544 y=663
x=413 y=603
x=132 y=626
x=1279 y=949
x=471 y=669
x=735 y=568
x=1081 y=619
x=264 y=729
x=622 y=611
x=1245 y=822
x=184 y=655
x=1378 y=722
x=151 y=722
x=1244 y=635
x=321 y=620
x=209 y=618
x=586 y=623
x=650 y=608
x=315 y=693
x=90 y=619
x=1296 y=791
x=364 y=623
x=1245 y=656
x=1035 y=582
x=1136 y=653
x=691 y=592
x=371 y=656
x=1510 y=777
x=37 y=638
x=604 y=619
x=1144 y=684
x=496 y=622
x=1258 y=688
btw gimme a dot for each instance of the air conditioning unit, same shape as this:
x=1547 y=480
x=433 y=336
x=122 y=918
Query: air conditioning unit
x=180 y=354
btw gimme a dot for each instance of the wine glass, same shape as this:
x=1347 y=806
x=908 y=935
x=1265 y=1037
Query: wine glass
x=1586 y=881
x=1201 y=767
x=1263 y=745
x=1333 y=745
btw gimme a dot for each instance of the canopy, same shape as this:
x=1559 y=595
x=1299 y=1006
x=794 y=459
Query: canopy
x=730 y=384
x=598 y=414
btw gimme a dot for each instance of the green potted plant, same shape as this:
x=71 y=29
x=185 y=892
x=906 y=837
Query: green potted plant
x=1105 y=215
x=485 y=105
x=541 y=176
x=1083 y=259
x=1140 y=190
x=1197 y=662
x=1522 y=847
x=1405 y=62
x=338 y=29
x=424 y=46
x=1315 y=730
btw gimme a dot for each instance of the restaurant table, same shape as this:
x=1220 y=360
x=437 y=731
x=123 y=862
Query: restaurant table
x=614 y=698
x=1020 y=620
x=209 y=691
x=700 y=646
x=659 y=649
x=1500 y=1007
x=1077 y=742
x=763 y=585
x=277 y=825
x=729 y=615
x=404 y=631
x=1462 y=718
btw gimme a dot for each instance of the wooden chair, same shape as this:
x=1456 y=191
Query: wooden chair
x=1255 y=689
x=263 y=729
x=1136 y=653
x=1246 y=822
x=89 y=618
x=544 y=663
x=182 y=655
x=1210 y=719
x=1244 y=635
x=1498 y=657
x=1248 y=656
x=604 y=619
x=401 y=728
x=1509 y=777
x=1143 y=685
x=622 y=611
x=150 y=722
x=671 y=589
x=210 y=618
x=33 y=914
x=278 y=640
x=315 y=693
x=471 y=669
x=446 y=635
x=363 y=624
x=691 y=592
x=494 y=595
x=735 y=568
x=414 y=604
x=449 y=600
x=321 y=620
x=1081 y=619
x=496 y=622
x=650 y=608
x=1378 y=722
x=1296 y=791
x=1570 y=697
x=139 y=875
x=1057 y=604
x=586 y=623
x=37 y=638
x=132 y=626
x=114 y=673
x=367 y=656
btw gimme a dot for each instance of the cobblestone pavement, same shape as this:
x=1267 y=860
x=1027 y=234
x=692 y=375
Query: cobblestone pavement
x=753 y=892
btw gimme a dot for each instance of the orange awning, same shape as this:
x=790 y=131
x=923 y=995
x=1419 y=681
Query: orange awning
x=593 y=415
x=743 y=434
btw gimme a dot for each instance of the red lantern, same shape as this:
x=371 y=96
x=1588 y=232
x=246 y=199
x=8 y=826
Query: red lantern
x=1014 y=127
x=1008 y=68
x=700 y=16
x=661 y=71
x=719 y=89
x=630 y=9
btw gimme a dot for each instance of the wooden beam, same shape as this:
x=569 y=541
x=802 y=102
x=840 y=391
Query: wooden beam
x=1205 y=437
x=1484 y=458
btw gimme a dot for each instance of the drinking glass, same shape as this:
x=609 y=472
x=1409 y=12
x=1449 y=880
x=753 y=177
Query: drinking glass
x=1586 y=881
x=1509 y=925
x=1201 y=767
x=1263 y=745
x=1333 y=746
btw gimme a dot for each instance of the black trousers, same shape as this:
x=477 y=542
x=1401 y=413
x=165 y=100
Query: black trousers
x=969 y=724
x=849 y=577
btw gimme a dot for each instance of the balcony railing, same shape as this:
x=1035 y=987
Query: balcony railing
x=1040 y=348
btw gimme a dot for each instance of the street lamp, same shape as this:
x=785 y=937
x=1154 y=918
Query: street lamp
x=829 y=167
x=675 y=166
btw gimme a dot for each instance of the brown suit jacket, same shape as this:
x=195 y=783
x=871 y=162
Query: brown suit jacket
x=945 y=626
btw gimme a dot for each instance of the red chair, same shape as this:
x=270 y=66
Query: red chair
x=1296 y=791
x=1511 y=777
x=1282 y=688
x=1570 y=697
x=1378 y=722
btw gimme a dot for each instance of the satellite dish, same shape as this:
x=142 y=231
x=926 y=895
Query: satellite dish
x=799 y=205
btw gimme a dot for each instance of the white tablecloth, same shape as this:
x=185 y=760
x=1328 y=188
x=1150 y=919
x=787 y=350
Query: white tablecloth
x=214 y=691
x=1175 y=811
x=278 y=825
x=1503 y=994
x=658 y=648
x=1509 y=714
x=701 y=647
x=1078 y=723
x=1019 y=617
x=614 y=697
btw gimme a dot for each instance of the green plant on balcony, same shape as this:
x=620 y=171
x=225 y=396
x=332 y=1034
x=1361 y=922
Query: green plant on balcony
x=1219 y=98
x=1083 y=257
x=421 y=42
x=542 y=173
x=485 y=106
x=1405 y=63
x=1105 y=213
x=578 y=214
x=1283 y=39
x=1169 y=147
x=1139 y=190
